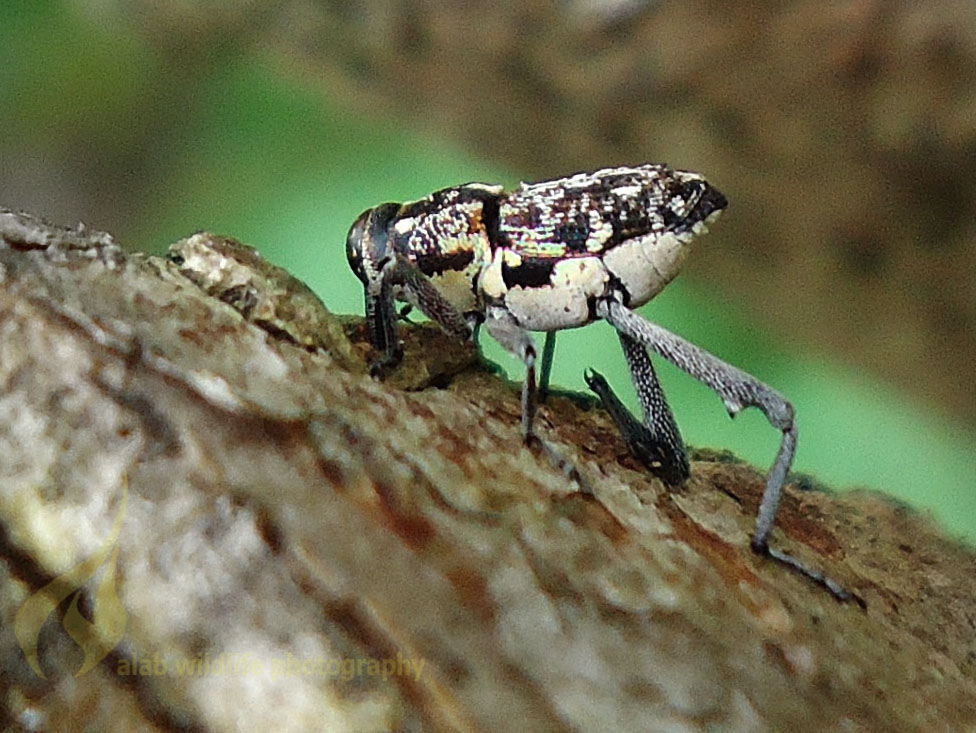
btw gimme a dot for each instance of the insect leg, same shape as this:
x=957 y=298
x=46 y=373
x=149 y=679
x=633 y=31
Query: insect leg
x=738 y=390
x=516 y=340
x=381 y=322
x=428 y=298
x=656 y=441
x=381 y=314
x=548 y=351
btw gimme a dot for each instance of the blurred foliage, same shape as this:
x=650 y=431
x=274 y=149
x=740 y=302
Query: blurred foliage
x=152 y=144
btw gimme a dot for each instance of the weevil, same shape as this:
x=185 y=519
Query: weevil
x=561 y=254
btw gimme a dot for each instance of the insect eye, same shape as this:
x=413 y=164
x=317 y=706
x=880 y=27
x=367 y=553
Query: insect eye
x=368 y=239
x=378 y=232
x=354 y=245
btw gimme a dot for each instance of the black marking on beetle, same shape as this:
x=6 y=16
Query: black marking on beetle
x=573 y=234
x=709 y=201
x=489 y=219
x=437 y=263
x=533 y=272
x=616 y=287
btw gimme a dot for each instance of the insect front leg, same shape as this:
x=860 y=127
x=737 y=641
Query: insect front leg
x=381 y=314
x=381 y=324
x=421 y=290
x=738 y=390
x=656 y=441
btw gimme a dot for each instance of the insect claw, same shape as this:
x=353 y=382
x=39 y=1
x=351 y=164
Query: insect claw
x=831 y=585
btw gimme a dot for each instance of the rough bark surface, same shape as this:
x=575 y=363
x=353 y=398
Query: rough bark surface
x=285 y=513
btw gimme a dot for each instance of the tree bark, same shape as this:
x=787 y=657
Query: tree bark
x=294 y=545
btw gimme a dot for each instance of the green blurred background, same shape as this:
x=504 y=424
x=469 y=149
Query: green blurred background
x=154 y=124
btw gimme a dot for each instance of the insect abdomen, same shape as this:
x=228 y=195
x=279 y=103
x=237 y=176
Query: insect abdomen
x=561 y=244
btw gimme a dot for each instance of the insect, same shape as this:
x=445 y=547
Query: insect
x=561 y=254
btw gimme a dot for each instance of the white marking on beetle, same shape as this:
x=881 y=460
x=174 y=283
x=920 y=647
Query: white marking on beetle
x=455 y=286
x=631 y=191
x=492 y=188
x=511 y=258
x=403 y=226
x=565 y=302
x=491 y=282
x=646 y=264
x=600 y=232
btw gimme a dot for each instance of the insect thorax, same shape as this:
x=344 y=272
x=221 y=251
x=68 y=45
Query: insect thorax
x=447 y=236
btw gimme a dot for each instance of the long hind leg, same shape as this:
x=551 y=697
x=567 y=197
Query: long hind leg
x=738 y=390
x=656 y=441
